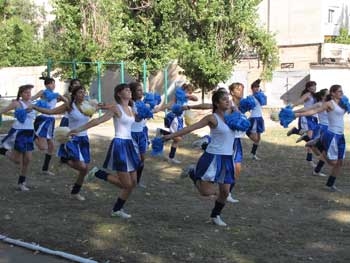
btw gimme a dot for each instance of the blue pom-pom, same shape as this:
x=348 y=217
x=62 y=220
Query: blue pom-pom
x=247 y=104
x=261 y=97
x=21 y=115
x=143 y=112
x=157 y=146
x=49 y=95
x=42 y=104
x=180 y=96
x=286 y=116
x=344 y=103
x=237 y=121
x=177 y=109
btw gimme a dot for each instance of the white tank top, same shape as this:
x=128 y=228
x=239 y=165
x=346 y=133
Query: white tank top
x=323 y=118
x=122 y=125
x=51 y=104
x=29 y=121
x=77 y=119
x=336 y=119
x=222 y=138
x=138 y=126
x=257 y=111
x=308 y=103
x=238 y=134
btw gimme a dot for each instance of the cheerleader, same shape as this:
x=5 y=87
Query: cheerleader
x=18 y=144
x=139 y=130
x=73 y=83
x=307 y=124
x=333 y=140
x=315 y=143
x=216 y=164
x=122 y=156
x=257 y=125
x=44 y=124
x=182 y=95
x=76 y=152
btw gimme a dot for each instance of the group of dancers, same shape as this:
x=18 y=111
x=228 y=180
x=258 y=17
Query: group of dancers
x=217 y=169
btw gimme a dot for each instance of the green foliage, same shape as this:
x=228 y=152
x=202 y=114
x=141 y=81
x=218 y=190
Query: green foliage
x=18 y=30
x=343 y=38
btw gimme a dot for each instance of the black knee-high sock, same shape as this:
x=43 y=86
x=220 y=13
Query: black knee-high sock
x=21 y=179
x=75 y=189
x=100 y=174
x=172 y=152
x=231 y=187
x=254 y=148
x=331 y=180
x=319 y=166
x=139 y=171
x=309 y=157
x=46 y=162
x=119 y=204
x=192 y=175
x=3 y=151
x=217 y=209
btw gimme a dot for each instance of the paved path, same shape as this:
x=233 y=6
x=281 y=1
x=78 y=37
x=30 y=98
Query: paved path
x=14 y=254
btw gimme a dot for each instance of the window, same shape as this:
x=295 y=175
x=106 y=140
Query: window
x=330 y=15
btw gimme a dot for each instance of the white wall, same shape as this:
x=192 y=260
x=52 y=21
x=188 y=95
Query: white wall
x=12 y=78
x=325 y=78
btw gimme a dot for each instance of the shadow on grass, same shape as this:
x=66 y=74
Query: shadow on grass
x=285 y=214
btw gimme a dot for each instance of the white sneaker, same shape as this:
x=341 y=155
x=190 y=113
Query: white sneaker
x=173 y=160
x=218 y=221
x=48 y=173
x=318 y=174
x=333 y=188
x=302 y=138
x=23 y=187
x=230 y=199
x=312 y=164
x=120 y=213
x=141 y=185
x=91 y=174
x=78 y=197
x=312 y=142
x=186 y=171
x=255 y=157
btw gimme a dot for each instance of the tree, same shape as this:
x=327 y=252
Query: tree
x=19 y=33
x=207 y=38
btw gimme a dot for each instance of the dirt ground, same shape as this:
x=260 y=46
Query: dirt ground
x=284 y=215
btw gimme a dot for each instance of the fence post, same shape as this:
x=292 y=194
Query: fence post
x=144 y=76
x=49 y=65
x=122 y=79
x=99 y=84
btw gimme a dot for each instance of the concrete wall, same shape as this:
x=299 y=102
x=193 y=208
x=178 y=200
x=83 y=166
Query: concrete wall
x=13 y=77
x=301 y=56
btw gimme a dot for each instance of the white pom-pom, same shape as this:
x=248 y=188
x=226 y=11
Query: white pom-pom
x=61 y=134
x=88 y=108
x=4 y=103
x=189 y=117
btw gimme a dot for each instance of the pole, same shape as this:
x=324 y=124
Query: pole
x=144 y=76
x=99 y=84
x=49 y=65
x=166 y=87
x=122 y=79
x=74 y=68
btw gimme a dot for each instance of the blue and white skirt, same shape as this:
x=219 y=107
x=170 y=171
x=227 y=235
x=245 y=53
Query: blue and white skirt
x=237 y=150
x=122 y=156
x=141 y=140
x=76 y=149
x=334 y=145
x=64 y=122
x=19 y=140
x=215 y=168
x=44 y=126
x=308 y=123
x=257 y=125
